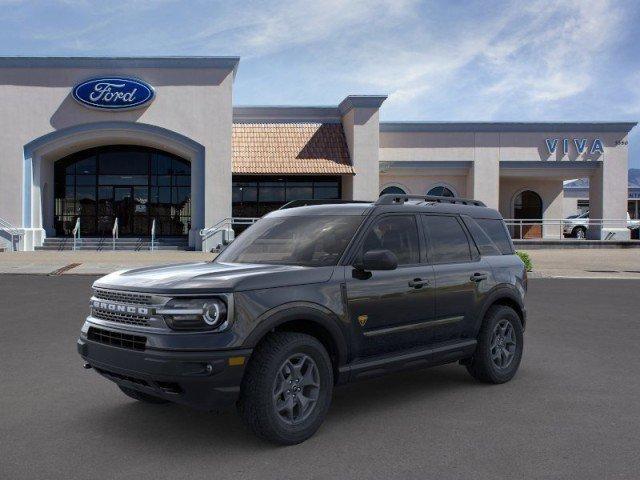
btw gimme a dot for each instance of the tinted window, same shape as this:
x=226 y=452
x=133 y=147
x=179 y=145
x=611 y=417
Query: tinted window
x=497 y=232
x=447 y=239
x=482 y=239
x=314 y=241
x=398 y=234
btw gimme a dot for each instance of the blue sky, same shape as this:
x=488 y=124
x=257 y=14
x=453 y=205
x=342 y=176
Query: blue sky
x=437 y=60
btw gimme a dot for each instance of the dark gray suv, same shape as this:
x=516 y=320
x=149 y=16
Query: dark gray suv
x=311 y=297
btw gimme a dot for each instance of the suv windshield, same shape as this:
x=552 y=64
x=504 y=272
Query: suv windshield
x=313 y=241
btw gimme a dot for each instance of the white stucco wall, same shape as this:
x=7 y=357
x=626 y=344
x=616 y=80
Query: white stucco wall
x=195 y=103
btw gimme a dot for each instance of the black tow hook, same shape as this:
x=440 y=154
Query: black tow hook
x=86 y=366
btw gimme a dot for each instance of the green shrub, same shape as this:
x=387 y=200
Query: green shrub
x=526 y=259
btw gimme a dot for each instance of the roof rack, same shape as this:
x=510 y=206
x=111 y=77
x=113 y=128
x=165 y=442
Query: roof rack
x=304 y=203
x=391 y=198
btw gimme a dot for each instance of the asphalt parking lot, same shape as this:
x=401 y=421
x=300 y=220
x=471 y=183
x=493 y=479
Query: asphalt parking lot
x=573 y=411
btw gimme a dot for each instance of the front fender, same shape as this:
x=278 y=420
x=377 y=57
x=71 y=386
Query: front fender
x=311 y=312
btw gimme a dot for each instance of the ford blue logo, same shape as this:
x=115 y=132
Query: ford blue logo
x=113 y=93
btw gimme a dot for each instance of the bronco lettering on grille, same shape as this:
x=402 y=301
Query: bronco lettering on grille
x=118 y=308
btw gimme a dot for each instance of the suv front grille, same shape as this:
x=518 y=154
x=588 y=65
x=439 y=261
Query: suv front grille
x=126 y=318
x=130 y=298
x=117 y=339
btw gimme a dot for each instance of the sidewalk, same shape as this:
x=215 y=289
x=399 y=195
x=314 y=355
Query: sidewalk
x=93 y=263
x=561 y=263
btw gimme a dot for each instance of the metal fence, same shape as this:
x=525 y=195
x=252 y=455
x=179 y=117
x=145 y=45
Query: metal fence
x=572 y=228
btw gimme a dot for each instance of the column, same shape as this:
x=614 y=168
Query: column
x=361 y=125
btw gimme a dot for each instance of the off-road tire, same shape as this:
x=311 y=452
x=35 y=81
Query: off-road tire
x=142 y=397
x=257 y=405
x=481 y=366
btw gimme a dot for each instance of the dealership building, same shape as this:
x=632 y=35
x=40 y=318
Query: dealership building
x=158 y=141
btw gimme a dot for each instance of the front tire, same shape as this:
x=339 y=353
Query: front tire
x=142 y=397
x=500 y=345
x=287 y=388
x=580 y=233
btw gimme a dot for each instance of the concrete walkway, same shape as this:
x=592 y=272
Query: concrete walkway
x=47 y=262
x=586 y=263
x=600 y=263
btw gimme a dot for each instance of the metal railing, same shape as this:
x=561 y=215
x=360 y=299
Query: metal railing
x=561 y=228
x=12 y=231
x=223 y=226
x=76 y=234
x=152 y=247
x=114 y=234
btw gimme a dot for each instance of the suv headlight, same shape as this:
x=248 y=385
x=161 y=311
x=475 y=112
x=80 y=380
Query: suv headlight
x=195 y=313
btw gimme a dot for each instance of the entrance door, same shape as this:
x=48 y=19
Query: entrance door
x=130 y=207
x=528 y=208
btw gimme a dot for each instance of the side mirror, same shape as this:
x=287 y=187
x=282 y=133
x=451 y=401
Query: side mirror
x=379 y=260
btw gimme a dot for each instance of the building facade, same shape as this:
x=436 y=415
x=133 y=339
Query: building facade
x=157 y=141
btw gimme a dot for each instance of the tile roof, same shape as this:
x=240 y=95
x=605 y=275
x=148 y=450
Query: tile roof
x=290 y=148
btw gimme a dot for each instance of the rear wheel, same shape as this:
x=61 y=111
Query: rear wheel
x=141 y=397
x=500 y=344
x=580 y=232
x=287 y=388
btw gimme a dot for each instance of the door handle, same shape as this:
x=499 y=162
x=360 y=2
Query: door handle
x=478 y=277
x=418 y=283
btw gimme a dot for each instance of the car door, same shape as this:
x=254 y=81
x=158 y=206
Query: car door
x=460 y=276
x=388 y=309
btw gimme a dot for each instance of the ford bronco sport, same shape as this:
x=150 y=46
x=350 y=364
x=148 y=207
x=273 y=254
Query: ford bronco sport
x=311 y=297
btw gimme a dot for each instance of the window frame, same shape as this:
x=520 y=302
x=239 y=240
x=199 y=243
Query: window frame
x=354 y=250
x=474 y=253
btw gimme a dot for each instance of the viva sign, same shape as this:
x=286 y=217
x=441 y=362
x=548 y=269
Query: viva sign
x=581 y=145
x=113 y=93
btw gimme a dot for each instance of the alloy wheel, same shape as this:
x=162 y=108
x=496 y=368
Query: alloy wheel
x=296 y=388
x=503 y=344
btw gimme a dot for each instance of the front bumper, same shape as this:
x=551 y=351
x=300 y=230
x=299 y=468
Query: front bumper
x=206 y=380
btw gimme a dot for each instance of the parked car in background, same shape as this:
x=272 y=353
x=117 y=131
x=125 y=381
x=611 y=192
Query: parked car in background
x=576 y=225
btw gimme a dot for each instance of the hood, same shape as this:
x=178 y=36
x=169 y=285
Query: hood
x=204 y=277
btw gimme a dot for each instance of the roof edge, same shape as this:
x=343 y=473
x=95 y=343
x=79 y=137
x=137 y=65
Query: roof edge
x=507 y=126
x=222 y=62
x=286 y=114
x=361 y=101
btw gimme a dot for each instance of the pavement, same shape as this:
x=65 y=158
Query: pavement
x=548 y=263
x=571 y=412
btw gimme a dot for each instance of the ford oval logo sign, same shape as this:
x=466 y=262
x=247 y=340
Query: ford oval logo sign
x=113 y=93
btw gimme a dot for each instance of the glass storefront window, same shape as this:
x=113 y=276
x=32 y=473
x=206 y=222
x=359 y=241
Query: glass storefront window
x=133 y=184
x=257 y=196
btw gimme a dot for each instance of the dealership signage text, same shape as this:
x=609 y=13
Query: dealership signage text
x=113 y=93
x=581 y=145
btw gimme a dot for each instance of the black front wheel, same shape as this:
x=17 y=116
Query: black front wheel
x=287 y=388
x=500 y=344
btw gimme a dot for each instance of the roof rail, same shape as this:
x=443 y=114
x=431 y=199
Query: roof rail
x=304 y=203
x=392 y=198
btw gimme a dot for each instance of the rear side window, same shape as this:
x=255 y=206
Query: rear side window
x=482 y=239
x=447 y=239
x=497 y=232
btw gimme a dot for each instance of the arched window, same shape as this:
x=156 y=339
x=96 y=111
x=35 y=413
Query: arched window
x=135 y=185
x=441 y=191
x=393 y=190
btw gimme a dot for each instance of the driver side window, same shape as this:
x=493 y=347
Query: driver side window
x=396 y=233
